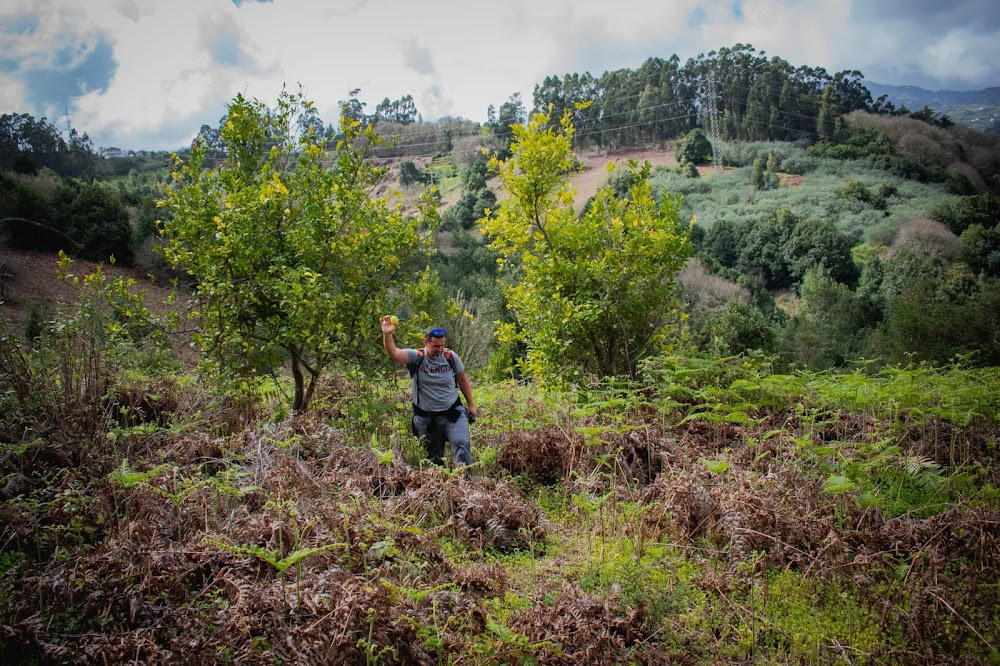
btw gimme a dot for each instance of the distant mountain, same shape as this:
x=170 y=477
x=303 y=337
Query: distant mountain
x=979 y=109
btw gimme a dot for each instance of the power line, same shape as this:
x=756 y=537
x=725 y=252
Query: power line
x=708 y=101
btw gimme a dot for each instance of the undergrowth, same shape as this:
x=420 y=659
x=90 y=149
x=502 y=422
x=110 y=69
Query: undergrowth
x=711 y=510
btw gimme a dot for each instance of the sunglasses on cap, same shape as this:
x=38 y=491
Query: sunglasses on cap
x=436 y=333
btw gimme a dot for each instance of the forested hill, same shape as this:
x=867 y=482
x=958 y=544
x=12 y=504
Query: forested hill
x=912 y=96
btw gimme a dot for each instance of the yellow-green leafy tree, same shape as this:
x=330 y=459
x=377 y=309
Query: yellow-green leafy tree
x=293 y=255
x=591 y=293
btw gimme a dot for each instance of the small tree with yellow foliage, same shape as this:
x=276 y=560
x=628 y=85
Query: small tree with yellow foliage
x=294 y=257
x=591 y=293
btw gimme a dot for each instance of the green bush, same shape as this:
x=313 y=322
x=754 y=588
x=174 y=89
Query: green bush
x=693 y=147
x=818 y=244
x=95 y=217
x=410 y=175
x=24 y=200
x=980 y=249
x=957 y=215
x=923 y=324
x=743 y=154
x=830 y=325
x=738 y=328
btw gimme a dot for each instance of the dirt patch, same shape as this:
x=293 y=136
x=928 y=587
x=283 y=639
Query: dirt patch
x=30 y=282
x=595 y=167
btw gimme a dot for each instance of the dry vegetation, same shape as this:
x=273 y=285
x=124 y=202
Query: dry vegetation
x=974 y=154
x=926 y=238
x=717 y=513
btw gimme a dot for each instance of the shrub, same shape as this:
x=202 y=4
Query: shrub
x=688 y=170
x=980 y=249
x=963 y=180
x=926 y=238
x=763 y=253
x=95 y=217
x=410 y=175
x=906 y=269
x=957 y=215
x=817 y=244
x=10 y=273
x=25 y=207
x=693 y=147
x=800 y=164
x=854 y=190
x=912 y=138
x=921 y=325
x=829 y=325
x=704 y=292
x=722 y=243
x=743 y=154
x=738 y=327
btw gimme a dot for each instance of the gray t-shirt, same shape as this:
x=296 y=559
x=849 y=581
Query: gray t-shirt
x=436 y=380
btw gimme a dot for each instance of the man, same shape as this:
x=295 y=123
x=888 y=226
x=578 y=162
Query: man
x=436 y=375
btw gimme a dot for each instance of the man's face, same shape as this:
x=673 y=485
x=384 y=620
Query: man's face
x=433 y=347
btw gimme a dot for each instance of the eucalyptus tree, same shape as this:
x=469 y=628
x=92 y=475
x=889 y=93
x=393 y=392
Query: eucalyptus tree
x=511 y=114
x=402 y=111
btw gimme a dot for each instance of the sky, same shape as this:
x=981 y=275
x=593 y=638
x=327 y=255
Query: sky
x=147 y=74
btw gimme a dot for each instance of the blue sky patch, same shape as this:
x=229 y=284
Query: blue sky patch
x=697 y=18
x=59 y=85
x=20 y=27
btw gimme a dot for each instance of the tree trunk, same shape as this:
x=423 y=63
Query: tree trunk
x=299 y=401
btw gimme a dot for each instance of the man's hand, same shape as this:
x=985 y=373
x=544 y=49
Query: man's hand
x=389 y=325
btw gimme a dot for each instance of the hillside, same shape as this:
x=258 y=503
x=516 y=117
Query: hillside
x=717 y=513
x=29 y=279
x=595 y=172
x=718 y=507
x=978 y=109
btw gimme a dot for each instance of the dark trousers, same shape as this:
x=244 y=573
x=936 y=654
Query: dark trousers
x=433 y=430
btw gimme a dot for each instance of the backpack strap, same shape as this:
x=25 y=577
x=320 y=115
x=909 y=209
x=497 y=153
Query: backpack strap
x=415 y=371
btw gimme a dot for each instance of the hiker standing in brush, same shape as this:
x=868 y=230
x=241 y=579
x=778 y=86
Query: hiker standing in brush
x=436 y=376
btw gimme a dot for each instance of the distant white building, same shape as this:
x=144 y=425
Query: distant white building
x=112 y=153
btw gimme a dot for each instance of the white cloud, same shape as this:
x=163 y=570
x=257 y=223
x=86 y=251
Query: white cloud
x=971 y=56
x=43 y=42
x=11 y=94
x=179 y=63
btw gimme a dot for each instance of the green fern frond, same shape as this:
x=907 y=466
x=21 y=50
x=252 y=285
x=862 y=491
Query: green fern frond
x=715 y=466
x=127 y=477
x=923 y=471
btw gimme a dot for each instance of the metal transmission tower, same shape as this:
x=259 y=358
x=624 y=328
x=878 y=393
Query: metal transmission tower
x=69 y=124
x=713 y=120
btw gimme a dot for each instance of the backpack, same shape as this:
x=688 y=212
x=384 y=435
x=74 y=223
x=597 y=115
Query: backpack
x=416 y=369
